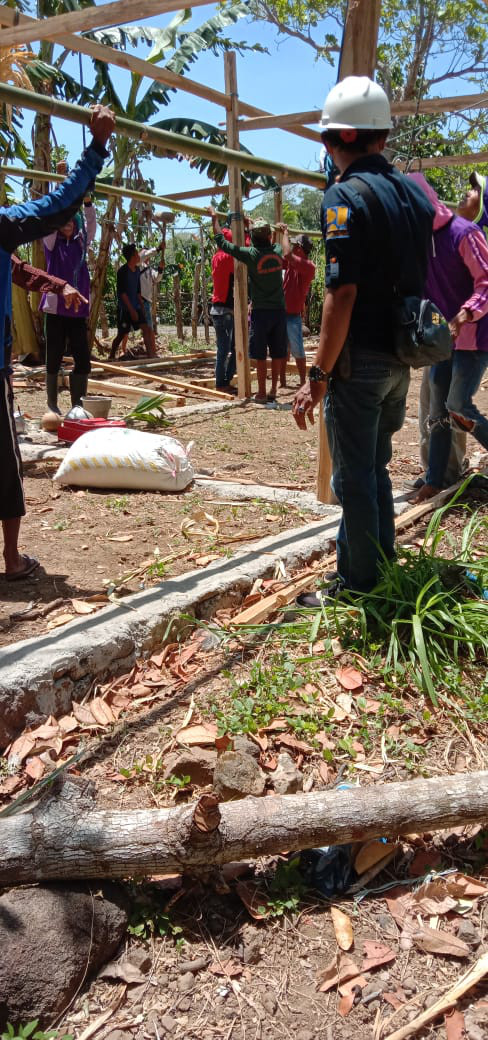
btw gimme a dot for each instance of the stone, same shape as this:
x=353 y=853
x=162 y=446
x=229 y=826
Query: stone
x=169 y=1023
x=197 y=763
x=51 y=937
x=305 y=1034
x=476 y=1022
x=237 y=775
x=287 y=779
x=468 y=933
x=245 y=744
x=193 y=966
x=186 y=982
x=409 y=985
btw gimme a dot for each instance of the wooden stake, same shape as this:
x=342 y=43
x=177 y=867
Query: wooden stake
x=206 y=321
x=194 y=303
x=180 y=332
x=235 y=200
x=106 y=386
x=150 y=377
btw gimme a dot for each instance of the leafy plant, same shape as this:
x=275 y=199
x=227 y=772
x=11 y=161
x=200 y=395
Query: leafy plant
x=118 y=505
x=148 y=919
x=286 y=889
x=264 y=696
x=30 y=1030
x=149 y=411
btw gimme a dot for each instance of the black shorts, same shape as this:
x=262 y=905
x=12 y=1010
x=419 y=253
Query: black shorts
x=268 y=332
x=125 y=323
x=12 y=503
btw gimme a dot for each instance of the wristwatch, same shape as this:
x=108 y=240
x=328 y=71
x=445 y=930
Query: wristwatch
x=317 y=375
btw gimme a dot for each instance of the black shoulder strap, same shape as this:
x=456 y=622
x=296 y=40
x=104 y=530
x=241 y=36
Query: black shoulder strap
x=377 y=216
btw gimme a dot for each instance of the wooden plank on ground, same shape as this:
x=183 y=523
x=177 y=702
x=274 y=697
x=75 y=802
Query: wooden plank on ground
x=106 y=386
x=188 y=388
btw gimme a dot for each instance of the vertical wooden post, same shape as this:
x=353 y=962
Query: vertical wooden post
x=204 y=289
x=235 y=200
x=278 y=212
x=180 y=332
x=358 y=58
x=194 y=303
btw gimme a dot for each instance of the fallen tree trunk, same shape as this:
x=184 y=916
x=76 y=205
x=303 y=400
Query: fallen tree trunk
x=59 y=840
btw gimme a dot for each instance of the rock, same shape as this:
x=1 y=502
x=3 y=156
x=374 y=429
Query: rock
x=237 y=775
x=476 y=1023
x=51 y=936
x=430 y=999
x=186 y=982
x=197 y=763
x=305 y=1034
x=252 y=940
x=287 y=779
x=269 y=1002
x=468 y=933
x=409 y=985
x=169 y=1023
x=193 y=966
x=246 y=745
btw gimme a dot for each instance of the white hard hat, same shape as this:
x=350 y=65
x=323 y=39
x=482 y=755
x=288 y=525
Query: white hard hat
x=356 y=103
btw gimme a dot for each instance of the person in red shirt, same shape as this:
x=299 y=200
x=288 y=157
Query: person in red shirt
x=299 y=275
x=222 y=314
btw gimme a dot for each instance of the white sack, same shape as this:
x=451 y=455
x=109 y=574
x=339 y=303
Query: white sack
x=123 y=458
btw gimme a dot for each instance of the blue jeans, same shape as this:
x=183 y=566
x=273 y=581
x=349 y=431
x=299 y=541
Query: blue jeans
x=225 y=364
x=361 y=414
x=453 y=386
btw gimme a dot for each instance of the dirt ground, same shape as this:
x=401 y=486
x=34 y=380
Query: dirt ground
x=218 y=965
x=88 y=540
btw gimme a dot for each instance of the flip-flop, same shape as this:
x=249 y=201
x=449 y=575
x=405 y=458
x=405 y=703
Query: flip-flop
x=271 y=398
x=31 y=564
x=260 y=400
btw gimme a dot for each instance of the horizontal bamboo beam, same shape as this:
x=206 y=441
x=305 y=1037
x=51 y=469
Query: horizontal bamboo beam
x=398 y=108
x=108 y=386
x=199 y=193
x=112 y=56
x=129 y=193
x=164 y=139
x=438 y=162
x=81 y=842
x=117 y=13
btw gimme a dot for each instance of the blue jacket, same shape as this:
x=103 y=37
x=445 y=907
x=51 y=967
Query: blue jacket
x=23 y=223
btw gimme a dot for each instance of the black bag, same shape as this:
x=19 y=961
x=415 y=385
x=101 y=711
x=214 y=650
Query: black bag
x=421 y=334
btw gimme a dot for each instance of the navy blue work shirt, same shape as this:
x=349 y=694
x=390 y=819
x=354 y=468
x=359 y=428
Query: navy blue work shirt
x=360 y=253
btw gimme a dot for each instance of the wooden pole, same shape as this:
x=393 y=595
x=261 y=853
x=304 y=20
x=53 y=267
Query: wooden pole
x=180 y=331
x=165 y=140
x=194 y=303
x=117 y=13
x=156 y=377
x=278 y=212
x=237 y=225
x=358 y=58
x=111 y=56
x=206 y=321
x=144 y=842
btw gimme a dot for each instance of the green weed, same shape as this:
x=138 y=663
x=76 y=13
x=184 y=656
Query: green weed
x=148 y=919
x=264 y=696
x=118 y=505
x=31 y=1030
x=285 y=890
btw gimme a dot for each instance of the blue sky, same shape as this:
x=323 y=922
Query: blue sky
x=287 y=79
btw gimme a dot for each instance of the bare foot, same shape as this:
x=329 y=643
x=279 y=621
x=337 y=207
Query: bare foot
x=426 y=492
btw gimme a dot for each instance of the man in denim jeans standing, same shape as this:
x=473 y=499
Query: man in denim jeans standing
x=222 y=314
x=366 y=392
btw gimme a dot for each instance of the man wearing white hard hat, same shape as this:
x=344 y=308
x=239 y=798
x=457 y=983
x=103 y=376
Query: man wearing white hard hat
x=376 y=227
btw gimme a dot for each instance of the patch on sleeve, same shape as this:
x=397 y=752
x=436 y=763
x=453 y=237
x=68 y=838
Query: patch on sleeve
x=337 y=222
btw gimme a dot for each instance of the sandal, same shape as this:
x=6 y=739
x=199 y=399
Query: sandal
x=271 y=398
x=30 y=565
x=260 y=400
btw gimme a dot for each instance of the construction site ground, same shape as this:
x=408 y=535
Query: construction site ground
x=87 y=540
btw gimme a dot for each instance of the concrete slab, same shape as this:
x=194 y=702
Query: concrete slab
x=305 y=500
x=41 y=675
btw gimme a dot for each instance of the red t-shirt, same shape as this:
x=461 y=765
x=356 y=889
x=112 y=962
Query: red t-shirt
x=299 y=275
x=222 y=272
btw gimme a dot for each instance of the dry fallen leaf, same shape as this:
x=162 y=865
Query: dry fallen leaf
x=344 y=702
x=454 y=1023
x=35 y=768
x=254 y=900
x=11 y=784
x=431 y=940
x=61 y=619
x=120 y=537
x=124 y=970
x=202 y=734
x=376 y=954
x=349 y=678
x=339 y=970
x=83 y=714
x=295 y=745
x=229 y=969
x=101 y=712
x=81 y=606
x=370 y=853
x=343 y=928
x=21 y=748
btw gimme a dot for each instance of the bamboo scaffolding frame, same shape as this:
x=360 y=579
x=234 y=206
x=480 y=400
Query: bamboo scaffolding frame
x=111 y=56
x=130 y=193
x=441 y=105
x=164 y=139
x=178 y=384
x=117 y=13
